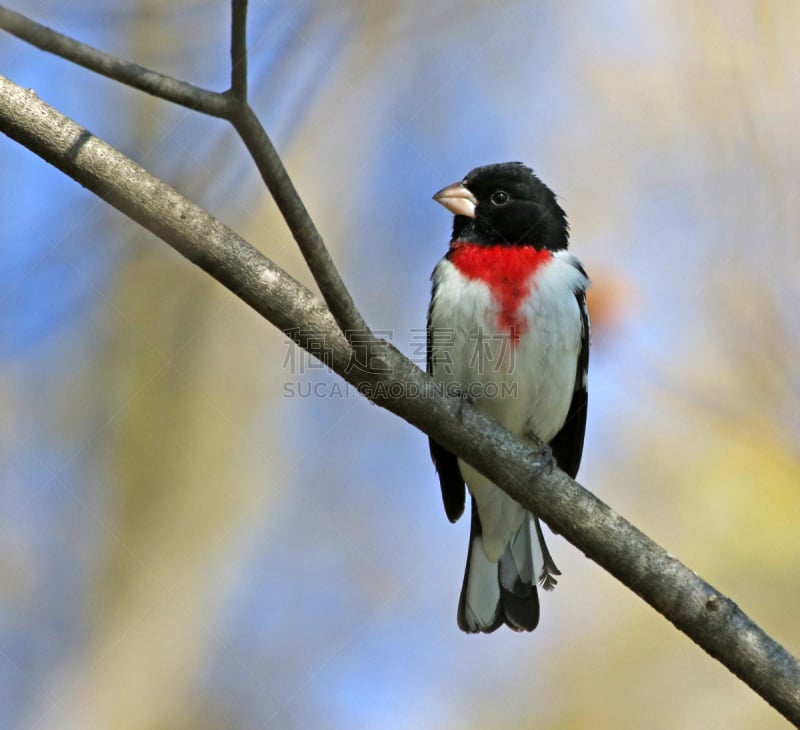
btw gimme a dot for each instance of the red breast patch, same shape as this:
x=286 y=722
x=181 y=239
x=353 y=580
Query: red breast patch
x=507 y=271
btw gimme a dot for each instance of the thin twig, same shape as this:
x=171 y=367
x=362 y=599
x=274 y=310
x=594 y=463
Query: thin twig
x=239 y=50
x=710 y=619
x=130 y=74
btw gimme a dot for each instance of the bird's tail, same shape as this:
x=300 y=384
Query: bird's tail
x=504 y=592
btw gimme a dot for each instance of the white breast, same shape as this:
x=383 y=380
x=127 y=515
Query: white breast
x=526 y=385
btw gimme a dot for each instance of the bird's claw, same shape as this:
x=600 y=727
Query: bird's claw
x=547 y=462
x=455 y=391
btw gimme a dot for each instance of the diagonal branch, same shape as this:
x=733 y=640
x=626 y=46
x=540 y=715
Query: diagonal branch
x=126 y=72
x=294 y=212
x=710 y=619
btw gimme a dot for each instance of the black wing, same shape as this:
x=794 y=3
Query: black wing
x=567 y=444
x=450 y=479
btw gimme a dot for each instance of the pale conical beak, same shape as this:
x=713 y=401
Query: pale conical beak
x=458 y=199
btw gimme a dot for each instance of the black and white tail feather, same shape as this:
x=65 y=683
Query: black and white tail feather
x=504 y=592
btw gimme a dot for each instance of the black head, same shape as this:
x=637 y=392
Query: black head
x=505 y=204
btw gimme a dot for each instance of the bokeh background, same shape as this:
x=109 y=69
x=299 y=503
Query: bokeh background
x=191 y=539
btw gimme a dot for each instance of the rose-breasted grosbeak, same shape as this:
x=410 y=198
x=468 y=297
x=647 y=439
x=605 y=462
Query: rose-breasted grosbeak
x=508 y=327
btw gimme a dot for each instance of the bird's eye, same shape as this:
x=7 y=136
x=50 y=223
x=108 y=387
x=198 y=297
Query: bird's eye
x=500 y=197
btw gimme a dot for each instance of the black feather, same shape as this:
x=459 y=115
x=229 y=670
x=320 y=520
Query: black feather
x=450 y=479
x=533 y=219
x=567 y=444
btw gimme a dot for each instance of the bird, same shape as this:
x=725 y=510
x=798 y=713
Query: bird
x=508 y=329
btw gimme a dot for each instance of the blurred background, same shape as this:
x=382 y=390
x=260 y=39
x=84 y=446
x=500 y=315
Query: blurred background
x=191 y=539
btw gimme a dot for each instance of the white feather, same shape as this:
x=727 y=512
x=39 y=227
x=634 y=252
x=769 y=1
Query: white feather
x=516 y=564
x=483 y=590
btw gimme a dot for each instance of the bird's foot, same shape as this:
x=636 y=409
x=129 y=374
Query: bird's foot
x=547 y=462
x=455 y=391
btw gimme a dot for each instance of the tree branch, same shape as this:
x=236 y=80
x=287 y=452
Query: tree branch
x=233 y=107
x=710 y=619
x=239 y=50
x=130 y=74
